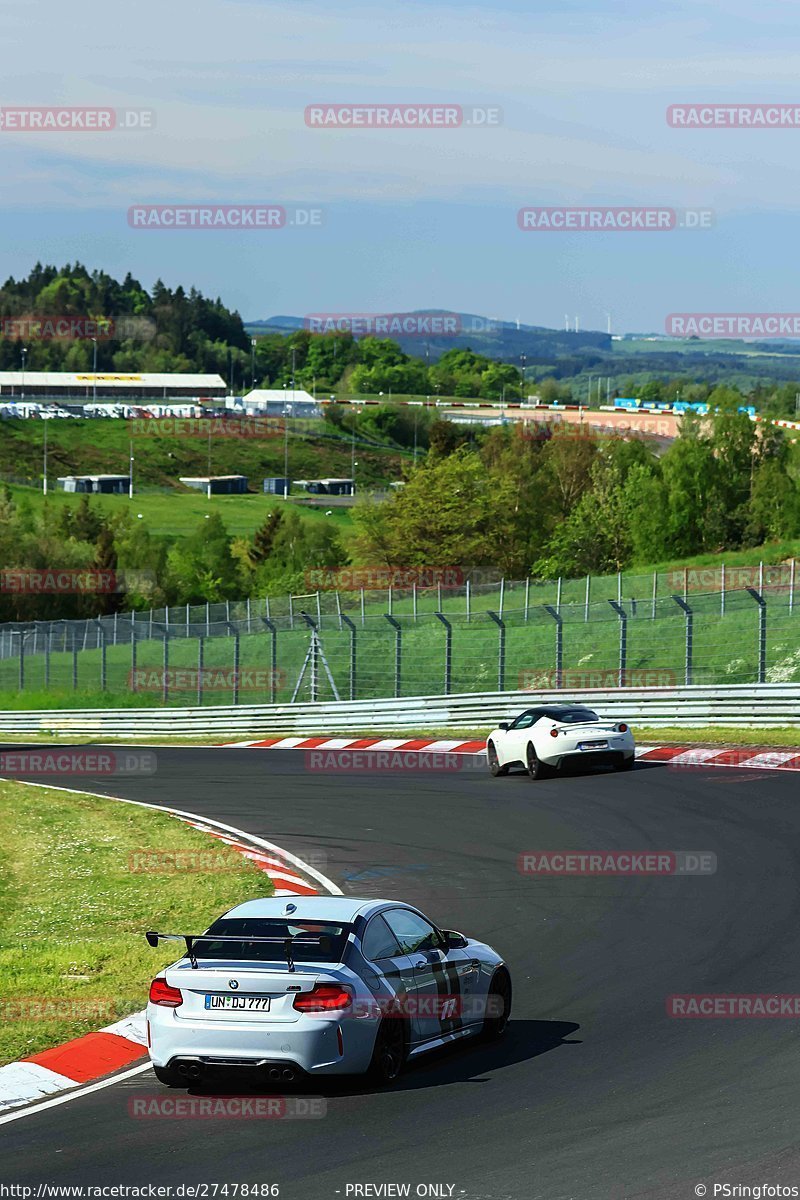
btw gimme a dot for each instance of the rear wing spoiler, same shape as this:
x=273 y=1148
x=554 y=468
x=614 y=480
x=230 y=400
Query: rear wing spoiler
x=189 y=939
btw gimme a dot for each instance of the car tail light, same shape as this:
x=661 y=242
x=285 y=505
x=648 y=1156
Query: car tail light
x=161 y=993
x=323 y=997
x=622 y=728
x=553 y=733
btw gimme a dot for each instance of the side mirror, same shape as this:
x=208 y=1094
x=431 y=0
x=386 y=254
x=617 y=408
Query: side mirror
x=453 y=940
x=503 y=725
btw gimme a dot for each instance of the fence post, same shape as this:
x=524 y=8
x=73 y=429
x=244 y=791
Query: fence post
x=101 y=633
x=352 y=629
x=208 y=619
x=414 y=597
x=619 y=587
x=502 y=595
x=166 y=617
x=338 y=607
x=527 y=596
x=623 y=640
x=761 y=578
x=236 y=659
x=273 y=656
x=689 y=638
x=165 y=666
x=439 y=594
x=47 y=657
x=200 y=669
x=22 y=660
x=319 y=612
x=249 y=619
x=187 y=618
x=74 y=659
x=133 y=658
x=501 y=650
x=115 y=629
x=448 y=651
x=586 y=600
x=362 y=607
x=556 y=615
x=722 y=593
x=791 y=585
x=655 y=595
x=389 y=598
x=762 y=633
x=398 y=652
x=468 y=604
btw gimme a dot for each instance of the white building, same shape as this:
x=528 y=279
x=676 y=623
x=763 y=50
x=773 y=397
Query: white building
x=86 y=385
x=276 y=402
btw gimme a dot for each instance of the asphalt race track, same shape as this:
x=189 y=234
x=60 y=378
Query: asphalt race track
x=595 y=1091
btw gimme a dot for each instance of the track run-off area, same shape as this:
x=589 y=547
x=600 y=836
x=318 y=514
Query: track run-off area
x=596 y=1090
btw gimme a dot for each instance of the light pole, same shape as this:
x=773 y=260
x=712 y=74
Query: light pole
x=130 y=469
x=252 y=364
x=285 y=446
x=44 y=475
x=208 y=486
x=94 y=372
x=524 y=359
x=24 y=355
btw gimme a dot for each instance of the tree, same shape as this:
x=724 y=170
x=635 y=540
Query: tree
x=105 y=561
x=201 y=566
x=264 y=537
x=452 y=512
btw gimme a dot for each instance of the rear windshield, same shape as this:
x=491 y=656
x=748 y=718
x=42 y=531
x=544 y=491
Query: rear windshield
x=571 y=716
x=312 y=941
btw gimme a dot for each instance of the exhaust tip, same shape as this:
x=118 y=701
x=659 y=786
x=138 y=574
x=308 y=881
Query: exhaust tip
x=274 y=1073
x=288 y=1074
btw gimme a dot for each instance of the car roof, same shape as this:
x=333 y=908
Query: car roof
x=342 y=909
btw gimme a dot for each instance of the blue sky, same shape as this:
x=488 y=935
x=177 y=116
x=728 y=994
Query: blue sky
x=412 y=218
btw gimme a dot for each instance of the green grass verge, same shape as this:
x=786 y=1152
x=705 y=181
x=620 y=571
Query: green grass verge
x=174 y=513
x=73 y=909
x=316 y=450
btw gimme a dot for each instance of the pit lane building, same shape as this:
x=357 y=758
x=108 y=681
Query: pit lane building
x=108 y=385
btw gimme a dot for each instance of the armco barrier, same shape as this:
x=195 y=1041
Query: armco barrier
x=768 y=705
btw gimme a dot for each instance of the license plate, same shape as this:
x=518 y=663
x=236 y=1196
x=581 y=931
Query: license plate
x=592 y=745
x=240 y=1003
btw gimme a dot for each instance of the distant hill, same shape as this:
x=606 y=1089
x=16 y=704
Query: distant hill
x=497 y=339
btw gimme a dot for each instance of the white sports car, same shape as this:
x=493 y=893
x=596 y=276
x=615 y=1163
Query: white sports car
x=542 y=739
x=320 y=985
